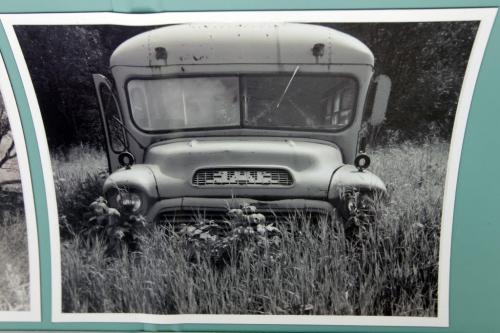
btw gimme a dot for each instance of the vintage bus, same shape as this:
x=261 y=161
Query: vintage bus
x=208 y=117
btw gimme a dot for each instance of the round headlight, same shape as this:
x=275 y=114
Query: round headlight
x=129 y=200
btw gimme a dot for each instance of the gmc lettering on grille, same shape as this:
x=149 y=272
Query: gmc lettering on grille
x=207 y=177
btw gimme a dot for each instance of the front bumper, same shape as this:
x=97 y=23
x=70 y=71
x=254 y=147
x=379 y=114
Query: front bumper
x=185 y=209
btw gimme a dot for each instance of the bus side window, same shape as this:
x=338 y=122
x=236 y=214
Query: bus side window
x=111 y=112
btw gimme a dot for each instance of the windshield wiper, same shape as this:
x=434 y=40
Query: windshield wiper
x=286 y=89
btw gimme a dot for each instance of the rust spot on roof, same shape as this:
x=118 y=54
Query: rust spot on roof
x=161 y=54
x=318 y=50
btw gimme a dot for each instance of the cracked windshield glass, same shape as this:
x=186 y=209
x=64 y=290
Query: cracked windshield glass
x=299 y=101
x=293 y=101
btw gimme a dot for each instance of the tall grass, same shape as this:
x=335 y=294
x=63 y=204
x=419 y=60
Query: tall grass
x=14 y=273
x=390 y=268
x=14 y=267
x=78 y=177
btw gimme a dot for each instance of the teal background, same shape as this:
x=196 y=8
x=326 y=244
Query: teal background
x=475 y=260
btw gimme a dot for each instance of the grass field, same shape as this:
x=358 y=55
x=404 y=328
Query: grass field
x=14 y=267
x=14 y=277
x=390 y=268
x=14 y=272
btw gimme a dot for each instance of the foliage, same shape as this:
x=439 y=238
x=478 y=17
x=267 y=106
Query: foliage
x=14 y=276
x=225 y=240
x=119 y=231
x=426 y=62
x=61 y=61
x=14 y=273
x=389 y=268
x=79 y=174
x=5 y=137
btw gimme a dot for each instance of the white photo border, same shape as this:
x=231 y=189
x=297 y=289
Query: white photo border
x=486 y=16
x=34 y=313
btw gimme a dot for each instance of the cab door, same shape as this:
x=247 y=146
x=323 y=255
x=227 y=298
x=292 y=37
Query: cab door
x=114 y=131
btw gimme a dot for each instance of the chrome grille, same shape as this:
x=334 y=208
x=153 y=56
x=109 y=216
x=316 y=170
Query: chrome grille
x=242 y=176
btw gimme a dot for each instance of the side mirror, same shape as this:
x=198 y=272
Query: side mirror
x=380 y=100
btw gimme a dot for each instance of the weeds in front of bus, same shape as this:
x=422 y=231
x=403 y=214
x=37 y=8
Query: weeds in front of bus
x=387 y=268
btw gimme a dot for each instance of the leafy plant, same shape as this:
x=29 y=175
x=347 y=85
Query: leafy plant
x=119 y=230
x=242 y=228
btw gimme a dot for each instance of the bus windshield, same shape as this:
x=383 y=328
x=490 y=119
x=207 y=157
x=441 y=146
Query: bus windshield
x=280 y=101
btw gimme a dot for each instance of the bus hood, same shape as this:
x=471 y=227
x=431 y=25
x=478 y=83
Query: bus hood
x=268 y=168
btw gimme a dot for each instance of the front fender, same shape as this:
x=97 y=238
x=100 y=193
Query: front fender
x=138 y=177
x=349 y=177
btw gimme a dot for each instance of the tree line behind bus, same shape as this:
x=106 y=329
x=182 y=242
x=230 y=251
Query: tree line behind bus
x=425 y=61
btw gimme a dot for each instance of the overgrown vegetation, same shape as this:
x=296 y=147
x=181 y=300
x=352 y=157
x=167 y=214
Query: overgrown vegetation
x=390 y=268
x=14 y=276
x=14 y=268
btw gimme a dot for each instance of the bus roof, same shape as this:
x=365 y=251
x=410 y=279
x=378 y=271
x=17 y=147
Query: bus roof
x=245 y=43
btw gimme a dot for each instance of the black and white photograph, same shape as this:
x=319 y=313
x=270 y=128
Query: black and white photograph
x=249 y=168
x=14 y=277
x=19 y=279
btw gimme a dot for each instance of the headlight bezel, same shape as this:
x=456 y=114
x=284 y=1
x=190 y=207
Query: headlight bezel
x=128 y=200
